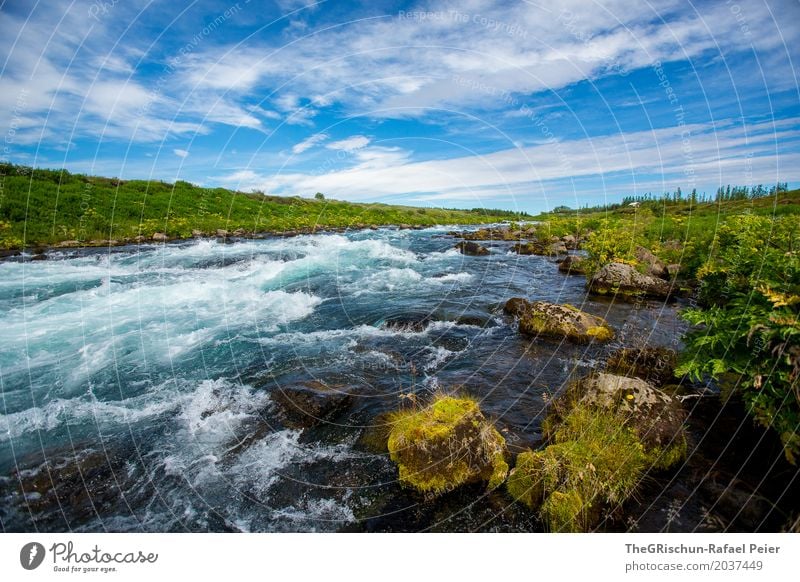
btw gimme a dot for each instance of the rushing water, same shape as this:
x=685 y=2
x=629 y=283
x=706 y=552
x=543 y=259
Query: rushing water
x=136 y=383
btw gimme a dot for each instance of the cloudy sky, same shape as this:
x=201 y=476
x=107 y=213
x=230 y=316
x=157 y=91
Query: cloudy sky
x=510 y=104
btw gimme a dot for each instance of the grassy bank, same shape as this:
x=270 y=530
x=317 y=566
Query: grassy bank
x=741 y=256
x=45 y=207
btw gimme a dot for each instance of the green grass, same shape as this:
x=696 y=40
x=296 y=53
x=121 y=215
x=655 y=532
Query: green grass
x=595 y=462
x=677 y=232
x=44 y=207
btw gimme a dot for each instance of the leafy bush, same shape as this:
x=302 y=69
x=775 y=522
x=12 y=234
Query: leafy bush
x=747 y=320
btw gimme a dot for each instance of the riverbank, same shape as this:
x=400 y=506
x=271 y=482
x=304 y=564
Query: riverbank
x=46 y=208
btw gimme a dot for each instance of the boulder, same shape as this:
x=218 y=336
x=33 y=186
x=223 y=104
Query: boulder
x=197 y=233
x=65 y=244
x=446 y=444
x=624 y=281
x=673 y=270
x=654 y=365
x=654 y=266
x=593 y=463
x=471 y=248
x=543 y=319
x=516 y=306
x=307 y=405
x=538 y=248
x=571 y=265
x=60 y=486
x=529 y=248
x=570 y=242
x=222 y=233
x=656 y=417
x=160 y=237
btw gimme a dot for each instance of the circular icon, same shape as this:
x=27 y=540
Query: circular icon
x=31 y=555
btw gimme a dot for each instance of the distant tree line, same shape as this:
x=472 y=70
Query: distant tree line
x=723 y=194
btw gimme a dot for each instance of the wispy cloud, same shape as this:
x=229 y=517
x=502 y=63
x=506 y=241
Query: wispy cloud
x=355 y=142
x=308 y=143
x=723 y=153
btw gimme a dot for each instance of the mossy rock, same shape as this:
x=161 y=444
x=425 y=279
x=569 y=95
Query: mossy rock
x=656 y=417
x=573 y=265
x=550 y=320
x=625 y=282
x=654 y=365
x=446 y=444
x=595 y=462
x=564 y=512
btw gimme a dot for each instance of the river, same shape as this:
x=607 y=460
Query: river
x=136 y=381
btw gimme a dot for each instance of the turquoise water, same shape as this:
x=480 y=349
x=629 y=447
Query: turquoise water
x=136 y=383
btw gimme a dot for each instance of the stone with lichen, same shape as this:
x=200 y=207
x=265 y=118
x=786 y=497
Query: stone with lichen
x=446 y=444
x=551 y=320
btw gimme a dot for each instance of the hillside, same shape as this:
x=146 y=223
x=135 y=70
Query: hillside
x=45 y=207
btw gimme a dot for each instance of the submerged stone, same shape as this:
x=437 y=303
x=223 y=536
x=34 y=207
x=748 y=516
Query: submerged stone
x=307 y=405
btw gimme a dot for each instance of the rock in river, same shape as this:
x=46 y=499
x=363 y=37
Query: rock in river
x=624 y=281
x=471 y=248
x=656 y=417
x=540 y=318
x=655 y=365
x=446 y=444
x=572 y=265
x=309 y=404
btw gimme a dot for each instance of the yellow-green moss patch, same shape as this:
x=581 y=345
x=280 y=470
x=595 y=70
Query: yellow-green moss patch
x=445 y=445
x=596 y=460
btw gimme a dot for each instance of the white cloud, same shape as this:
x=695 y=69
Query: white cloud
x=466 y=57
x=655 y=160
x=309 y=143
x=352 y=143
x=180 y=153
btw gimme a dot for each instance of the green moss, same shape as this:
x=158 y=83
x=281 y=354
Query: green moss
x=446 y=444
x=526 y=481
x=601 y=333
x=669 y=456
x=565 y=512
x=499 y=469
x=595 y=461
x=534 y=322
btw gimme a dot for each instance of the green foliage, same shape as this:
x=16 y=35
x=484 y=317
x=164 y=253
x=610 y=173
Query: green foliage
x=679 y=231
x=596 y=461
x=747 y=321
x=49 y=206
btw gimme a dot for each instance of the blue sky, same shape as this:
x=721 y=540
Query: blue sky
x=518 y=105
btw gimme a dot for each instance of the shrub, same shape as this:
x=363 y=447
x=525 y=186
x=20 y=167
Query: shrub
x=747 y=322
